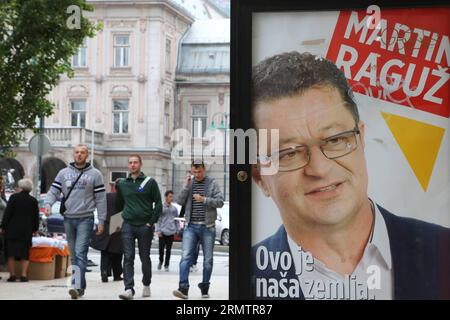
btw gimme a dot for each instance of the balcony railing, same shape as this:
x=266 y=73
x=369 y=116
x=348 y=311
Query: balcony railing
x=67 y=136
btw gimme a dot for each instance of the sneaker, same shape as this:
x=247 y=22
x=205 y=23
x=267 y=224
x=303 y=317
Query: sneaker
x=127 y=295
x=118 y=278
x=194 y=268
x=104 y=279
x=12 y=279
x=159 y=265
x=204 y=289
x=23 y=279
x=166 y=269
x=74 y=294
x=91 y=263
x=181 y=293
x=146 y=292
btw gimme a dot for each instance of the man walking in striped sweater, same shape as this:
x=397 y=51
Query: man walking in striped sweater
x=201 y=197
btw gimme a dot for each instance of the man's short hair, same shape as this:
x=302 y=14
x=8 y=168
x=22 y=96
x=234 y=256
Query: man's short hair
x=291 y=73
x=81 y=145
x=25 y=184
x=197 y=163
x=167 y=193
x=135 y=156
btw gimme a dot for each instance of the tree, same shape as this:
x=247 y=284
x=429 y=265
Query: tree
x=37 y=41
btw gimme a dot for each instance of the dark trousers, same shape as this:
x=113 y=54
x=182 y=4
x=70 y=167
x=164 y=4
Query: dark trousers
x=165 y=242
x=144 y=236
x=2 y=250
x=110 y=261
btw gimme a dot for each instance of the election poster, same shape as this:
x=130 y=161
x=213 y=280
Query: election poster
x=389 y=161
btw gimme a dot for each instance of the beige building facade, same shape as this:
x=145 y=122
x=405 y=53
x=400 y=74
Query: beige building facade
x=121 y=95
x=152 y=69
x=203 y=97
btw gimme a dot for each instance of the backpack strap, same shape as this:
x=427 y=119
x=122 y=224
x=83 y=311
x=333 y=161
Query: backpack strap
x=147 y=179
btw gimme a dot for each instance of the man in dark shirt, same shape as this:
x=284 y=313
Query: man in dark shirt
x=139 y=199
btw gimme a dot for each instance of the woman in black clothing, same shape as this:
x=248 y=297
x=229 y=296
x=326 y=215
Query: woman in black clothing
x=110 y=245
x=20 y=222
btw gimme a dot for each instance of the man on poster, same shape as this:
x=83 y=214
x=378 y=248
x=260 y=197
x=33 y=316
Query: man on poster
x=335 y=242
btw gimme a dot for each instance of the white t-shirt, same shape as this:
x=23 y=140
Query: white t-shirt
x=371 y=279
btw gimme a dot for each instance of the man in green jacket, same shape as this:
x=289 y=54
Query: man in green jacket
x=139 y=199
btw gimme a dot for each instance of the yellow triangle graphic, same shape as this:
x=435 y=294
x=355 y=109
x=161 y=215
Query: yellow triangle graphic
x=420 y=143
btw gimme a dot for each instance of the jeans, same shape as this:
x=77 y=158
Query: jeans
x=193 y=235
x=196 y=253
x=78 y=233
x=165 y=242
x=144 y=236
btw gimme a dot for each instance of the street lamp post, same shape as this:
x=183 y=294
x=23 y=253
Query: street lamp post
x=38 y=189
x=223 y=125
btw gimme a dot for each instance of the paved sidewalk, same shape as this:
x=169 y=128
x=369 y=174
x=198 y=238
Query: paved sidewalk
x=163 y=283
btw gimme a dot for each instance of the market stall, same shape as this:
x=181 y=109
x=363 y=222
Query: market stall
x=49 y=259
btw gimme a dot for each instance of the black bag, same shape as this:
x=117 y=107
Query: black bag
x=182 y=211
x=62 y=208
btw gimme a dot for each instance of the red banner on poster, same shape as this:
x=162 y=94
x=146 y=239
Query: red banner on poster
x=400 y=58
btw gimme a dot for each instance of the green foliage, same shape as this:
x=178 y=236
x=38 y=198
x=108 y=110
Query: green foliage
x=36 y=46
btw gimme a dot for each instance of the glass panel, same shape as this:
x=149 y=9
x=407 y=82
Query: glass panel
x=83 y=57
x=122 y=40
x=203 y=126
x=124 y=57
x=116 y=124
x=74 y=119
x=82 y=119
x=199 y=110
x=124 y=122
x=75 y=60
x=78 y=105
x=198 y=127
x=120 y=105
x=117 y=57
x=195 y=131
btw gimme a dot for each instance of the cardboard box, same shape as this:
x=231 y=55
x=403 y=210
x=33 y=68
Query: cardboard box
x=38 y=270
x=60 y=267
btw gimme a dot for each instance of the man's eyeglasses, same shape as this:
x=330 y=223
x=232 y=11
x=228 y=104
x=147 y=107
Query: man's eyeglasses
x=298 y=156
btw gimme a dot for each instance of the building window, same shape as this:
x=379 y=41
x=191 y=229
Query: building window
x=118 y=175
x=167 y=119
x=79 y=58
x=120 y=116
x=199 y=117
x=78 y=113
x=121 y=50
x=168 y=55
